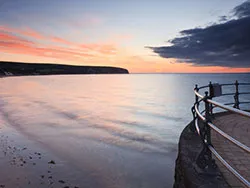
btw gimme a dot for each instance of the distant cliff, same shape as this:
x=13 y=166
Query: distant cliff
x=19 y=69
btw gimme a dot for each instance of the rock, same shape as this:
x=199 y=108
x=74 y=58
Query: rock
x=51 y=162
x=61 y=181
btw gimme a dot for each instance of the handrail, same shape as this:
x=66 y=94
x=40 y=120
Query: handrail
x=225 y=94
x=226 y=84
x=246 y=102
x=199 y=114
x=199 y=95
x=229 y=108
x=229 y=167
x=231 y=139
x=206 y=135
x=245 y=84
x=225 y=135
x=202 y=87
x=244 y=93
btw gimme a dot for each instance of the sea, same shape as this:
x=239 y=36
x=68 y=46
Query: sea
x=120 y=130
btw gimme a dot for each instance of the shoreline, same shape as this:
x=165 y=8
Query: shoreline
x=19 y=152
x=28 y=164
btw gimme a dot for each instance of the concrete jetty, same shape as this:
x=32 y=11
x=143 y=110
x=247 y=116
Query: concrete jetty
x=239 y=128
x=214 y=149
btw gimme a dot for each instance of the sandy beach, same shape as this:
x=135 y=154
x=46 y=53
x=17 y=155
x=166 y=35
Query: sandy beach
x=24 y=163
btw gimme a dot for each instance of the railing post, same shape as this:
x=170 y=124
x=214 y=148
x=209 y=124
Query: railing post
x=204 y=162
x=236 y=96
x=211 y=93
x=196 y=97
x=193 y=109
x=208 y=119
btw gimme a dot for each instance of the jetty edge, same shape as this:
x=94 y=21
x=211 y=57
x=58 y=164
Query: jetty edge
x=186 y=176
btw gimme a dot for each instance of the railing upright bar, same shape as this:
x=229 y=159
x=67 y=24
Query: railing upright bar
x=196 y=97
x=210 y=96
x=236 y=96
x=207 y=116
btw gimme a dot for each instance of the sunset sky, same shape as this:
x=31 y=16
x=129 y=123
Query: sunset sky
x=140 y=35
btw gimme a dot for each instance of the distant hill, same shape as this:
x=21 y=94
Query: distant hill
x=19 y=69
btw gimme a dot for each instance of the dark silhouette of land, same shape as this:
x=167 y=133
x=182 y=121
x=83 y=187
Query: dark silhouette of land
x=22 y=69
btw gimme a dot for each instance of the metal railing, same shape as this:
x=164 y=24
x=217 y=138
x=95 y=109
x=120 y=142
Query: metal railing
x=203 y=125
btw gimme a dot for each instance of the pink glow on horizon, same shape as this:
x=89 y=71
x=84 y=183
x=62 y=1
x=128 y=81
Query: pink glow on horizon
x=17 y=47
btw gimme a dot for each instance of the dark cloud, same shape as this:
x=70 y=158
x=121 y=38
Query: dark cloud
x=222 y=44
x=242 y=10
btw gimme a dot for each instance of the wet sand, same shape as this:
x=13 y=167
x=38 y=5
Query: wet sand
x=25 y=164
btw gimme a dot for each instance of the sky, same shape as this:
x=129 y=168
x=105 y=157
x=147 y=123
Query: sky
x=143 y=36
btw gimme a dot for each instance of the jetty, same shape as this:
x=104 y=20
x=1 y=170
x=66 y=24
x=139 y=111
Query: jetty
x=214 y=149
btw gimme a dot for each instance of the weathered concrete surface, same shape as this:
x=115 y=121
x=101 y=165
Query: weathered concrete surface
x=185 y=174
x=239 y=128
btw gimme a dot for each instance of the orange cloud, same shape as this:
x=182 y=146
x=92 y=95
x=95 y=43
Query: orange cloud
x=27 y=32
x=31 y=33
x=6 y=38
x=61 y=40
x=15 y=44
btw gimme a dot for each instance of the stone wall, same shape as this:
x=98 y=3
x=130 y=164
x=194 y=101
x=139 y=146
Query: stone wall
x=186 y=175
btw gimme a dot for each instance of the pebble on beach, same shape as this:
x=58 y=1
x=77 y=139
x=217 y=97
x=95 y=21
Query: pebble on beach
x=51 y=162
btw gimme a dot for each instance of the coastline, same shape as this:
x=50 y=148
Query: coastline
x=27 y=160
x=20 y=68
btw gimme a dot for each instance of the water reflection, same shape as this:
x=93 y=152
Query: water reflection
x=120 y=130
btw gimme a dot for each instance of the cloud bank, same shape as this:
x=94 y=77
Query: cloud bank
x=225 y=44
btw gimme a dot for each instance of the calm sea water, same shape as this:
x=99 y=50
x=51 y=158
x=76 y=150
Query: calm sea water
x=120 y=130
